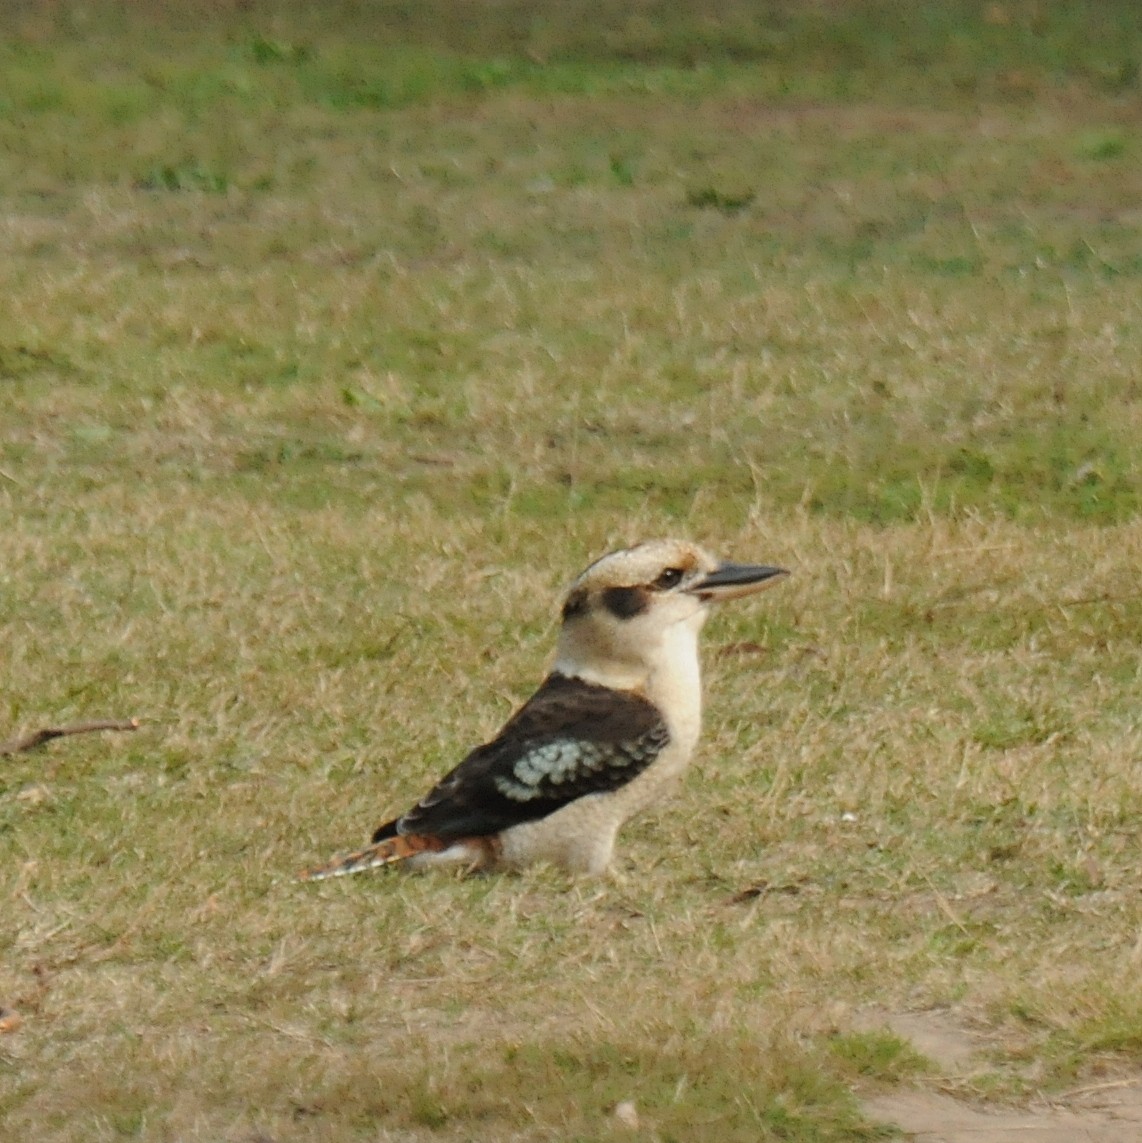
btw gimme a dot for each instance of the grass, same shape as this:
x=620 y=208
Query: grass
x=332 y=348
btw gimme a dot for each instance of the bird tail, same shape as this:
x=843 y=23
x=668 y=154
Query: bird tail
x=386 y=852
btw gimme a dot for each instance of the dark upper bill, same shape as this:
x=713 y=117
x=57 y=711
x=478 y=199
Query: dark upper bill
x=729 y=581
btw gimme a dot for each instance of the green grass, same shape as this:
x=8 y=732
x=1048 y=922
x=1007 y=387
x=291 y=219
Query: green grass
x=335 y=343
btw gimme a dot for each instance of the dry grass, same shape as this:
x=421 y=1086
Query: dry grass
x=310 y=409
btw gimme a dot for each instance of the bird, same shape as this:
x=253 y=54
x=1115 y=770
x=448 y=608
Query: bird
x=607 y=733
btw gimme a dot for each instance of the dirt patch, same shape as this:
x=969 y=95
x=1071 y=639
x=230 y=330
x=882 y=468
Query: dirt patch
x=925 y=1118
x=1108 y=1112
x=936 y=1035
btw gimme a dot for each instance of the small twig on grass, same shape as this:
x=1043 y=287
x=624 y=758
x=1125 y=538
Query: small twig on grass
x=292 y=1033
x=31 y=741
x=945 y=908
x=1090 y=1089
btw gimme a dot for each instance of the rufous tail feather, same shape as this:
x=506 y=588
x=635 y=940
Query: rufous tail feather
x=387 y=852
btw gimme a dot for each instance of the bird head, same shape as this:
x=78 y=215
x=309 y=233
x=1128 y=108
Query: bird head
x=627 y=608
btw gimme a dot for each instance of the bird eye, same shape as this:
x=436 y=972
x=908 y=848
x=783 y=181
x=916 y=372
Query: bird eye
x=669 y=578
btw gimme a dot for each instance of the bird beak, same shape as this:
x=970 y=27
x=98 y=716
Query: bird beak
x=731 y=581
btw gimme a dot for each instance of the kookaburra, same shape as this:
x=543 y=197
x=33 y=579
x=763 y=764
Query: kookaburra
x=607 y=733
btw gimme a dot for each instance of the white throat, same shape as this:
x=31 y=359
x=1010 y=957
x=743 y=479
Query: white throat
x=667 y=673
x=674 y=682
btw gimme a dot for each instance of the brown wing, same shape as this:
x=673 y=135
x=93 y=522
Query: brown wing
x=571 y=738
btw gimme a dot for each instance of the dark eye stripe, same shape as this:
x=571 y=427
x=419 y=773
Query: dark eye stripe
x=625 y=602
